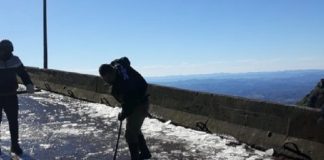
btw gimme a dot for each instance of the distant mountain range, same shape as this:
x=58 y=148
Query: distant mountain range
x=286 y=87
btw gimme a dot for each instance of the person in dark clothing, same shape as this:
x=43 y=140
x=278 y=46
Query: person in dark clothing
x=10 y=66
x=129 y=88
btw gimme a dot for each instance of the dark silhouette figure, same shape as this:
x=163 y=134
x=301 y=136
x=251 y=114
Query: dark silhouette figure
x=10 y=66
x=129 y=88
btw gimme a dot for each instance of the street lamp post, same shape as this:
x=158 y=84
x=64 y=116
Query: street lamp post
x=45 y=33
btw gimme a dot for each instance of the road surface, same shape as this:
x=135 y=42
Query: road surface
x=53 y=126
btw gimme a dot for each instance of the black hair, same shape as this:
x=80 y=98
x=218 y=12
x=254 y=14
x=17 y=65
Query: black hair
x=6 y=45
x=105 y=69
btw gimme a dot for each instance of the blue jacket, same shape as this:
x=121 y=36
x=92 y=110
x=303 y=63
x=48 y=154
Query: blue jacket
x=9 y=69
x=129 y=87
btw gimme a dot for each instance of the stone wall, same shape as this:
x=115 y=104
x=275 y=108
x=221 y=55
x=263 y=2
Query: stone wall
x=263 y=124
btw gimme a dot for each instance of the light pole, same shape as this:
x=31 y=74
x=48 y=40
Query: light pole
x=45 y=33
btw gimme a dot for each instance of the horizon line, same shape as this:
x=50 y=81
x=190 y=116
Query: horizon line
x=231 y=73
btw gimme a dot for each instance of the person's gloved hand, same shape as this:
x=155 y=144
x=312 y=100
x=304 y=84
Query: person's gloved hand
x=121 y=116
x=30 y=88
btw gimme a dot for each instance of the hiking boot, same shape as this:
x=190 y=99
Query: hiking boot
x=16 y=149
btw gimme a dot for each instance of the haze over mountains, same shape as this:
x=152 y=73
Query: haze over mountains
x=286 y=87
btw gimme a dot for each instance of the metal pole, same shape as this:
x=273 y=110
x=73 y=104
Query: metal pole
x=45 y=33
x=119 y=132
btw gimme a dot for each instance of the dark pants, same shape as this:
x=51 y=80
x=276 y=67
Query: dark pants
x=134 y=123
x=9 y=104
x=134 y=136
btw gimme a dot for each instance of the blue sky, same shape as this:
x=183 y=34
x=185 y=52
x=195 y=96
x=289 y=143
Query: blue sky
x=169 y=37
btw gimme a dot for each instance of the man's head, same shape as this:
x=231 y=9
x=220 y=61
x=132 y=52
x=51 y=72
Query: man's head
x=108 y=73
x=6 y=45
x=6 y=48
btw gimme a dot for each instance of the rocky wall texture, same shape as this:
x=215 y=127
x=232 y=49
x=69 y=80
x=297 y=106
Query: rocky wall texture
x=315 y=99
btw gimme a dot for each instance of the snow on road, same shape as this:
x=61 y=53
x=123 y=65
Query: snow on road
x=53 y=126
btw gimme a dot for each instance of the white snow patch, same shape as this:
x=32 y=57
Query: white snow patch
x=212 y=146
x=69 y=131
x=45 y=146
